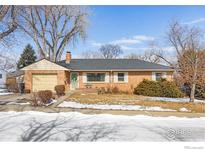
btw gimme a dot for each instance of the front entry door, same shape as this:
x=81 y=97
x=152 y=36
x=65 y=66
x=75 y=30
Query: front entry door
x=74 y=80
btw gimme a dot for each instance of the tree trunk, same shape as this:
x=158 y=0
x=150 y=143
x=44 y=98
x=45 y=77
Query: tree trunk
x=193 y=86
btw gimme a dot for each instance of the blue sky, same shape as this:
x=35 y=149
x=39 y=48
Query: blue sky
x=132 y=27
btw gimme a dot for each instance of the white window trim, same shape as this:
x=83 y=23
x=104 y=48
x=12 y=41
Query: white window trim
x=107 y=78
x=116 y=77
x=164 y=75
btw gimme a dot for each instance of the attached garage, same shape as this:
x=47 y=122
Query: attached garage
x=45 y=75
x=44 y=82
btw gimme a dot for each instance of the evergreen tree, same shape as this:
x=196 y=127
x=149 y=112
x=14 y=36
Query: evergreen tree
x=27 y=57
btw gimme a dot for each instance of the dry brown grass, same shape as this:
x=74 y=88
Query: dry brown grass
x=129 y=99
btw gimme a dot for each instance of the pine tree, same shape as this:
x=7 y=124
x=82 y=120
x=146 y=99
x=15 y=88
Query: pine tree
x=27 y=57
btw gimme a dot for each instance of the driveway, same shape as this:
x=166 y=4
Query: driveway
x=16 y=97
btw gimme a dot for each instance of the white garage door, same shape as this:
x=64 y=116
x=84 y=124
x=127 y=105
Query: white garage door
x=44 y=82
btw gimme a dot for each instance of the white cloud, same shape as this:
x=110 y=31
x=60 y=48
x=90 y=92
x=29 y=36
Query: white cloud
x=133 y=40
x=168 y=49
x=144 y=38
x=96 y=44
x=127 y=44
x=125 y=41
x=127 y=48
x=195 y=21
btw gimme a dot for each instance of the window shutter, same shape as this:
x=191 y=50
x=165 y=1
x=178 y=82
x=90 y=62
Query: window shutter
x=153 y=76
x=164 y=75
x=115 y=77
x=126 y=76
x=107 y=77
x=84 y=78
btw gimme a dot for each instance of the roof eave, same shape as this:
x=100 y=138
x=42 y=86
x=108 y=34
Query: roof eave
x=128 y=70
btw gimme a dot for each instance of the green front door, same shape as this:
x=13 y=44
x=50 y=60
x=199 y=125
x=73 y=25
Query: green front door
x=74 y=81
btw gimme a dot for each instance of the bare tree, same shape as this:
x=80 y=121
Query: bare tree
x=7 y=63
x=52 y=28
x=91 y=55
x=190 y=54
x=110 y=51
x=8 y=21
x=147 y=56
x=154 y=54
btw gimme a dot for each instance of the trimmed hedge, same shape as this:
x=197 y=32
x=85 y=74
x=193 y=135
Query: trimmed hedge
x=161 y=88
x=45 y=96
x=60 y=90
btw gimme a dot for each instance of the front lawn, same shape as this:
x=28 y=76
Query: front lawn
x=129 y=99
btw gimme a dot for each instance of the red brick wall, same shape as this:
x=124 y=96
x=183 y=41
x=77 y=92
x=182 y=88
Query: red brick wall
x=134 y=78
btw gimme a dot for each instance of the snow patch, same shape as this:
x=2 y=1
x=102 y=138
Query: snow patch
x=178 y=100
x=183 y=109
x=111 y=107
x=7 y=93
x=20 y=103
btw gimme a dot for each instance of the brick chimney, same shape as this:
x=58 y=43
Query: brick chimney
x=68 y=57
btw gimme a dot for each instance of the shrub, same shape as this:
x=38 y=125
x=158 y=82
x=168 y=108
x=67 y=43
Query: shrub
x=200 y=91
x=115 y=90
x=12 y=88
x=60 y=90
x=161 y=88
x=101 y=90
x=45 y=96
x=27 y=91
x=35 y=101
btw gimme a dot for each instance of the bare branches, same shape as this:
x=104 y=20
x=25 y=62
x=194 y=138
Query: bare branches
x=53 y=27
x=190 y=54
x=154 y=54
x=184 y=38
x=91 y=55
x=8 y=21
x=8 y=63
x=107 y=51
x=110 y=51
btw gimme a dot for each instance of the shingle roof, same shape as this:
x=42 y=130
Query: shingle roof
x=112 y=64
x=15 y=73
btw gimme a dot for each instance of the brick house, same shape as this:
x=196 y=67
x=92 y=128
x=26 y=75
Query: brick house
x=124 y=74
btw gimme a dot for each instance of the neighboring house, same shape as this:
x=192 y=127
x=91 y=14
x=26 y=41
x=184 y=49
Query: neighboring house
x=13 y=79
x=125 y=74
x=2 y=78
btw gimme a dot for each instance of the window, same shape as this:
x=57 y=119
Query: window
x=121 y=77
x=0 y=76
x=158 y=76
x=95 y=77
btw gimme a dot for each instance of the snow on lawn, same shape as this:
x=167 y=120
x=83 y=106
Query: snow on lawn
x=111 y=107
x=1 y=90
x=5 y=93
x=16 y=103
x=166 y=99
x=73 y=126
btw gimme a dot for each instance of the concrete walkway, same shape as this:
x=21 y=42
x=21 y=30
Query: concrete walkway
x=62 y=98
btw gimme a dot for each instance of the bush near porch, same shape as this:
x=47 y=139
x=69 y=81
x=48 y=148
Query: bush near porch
x=160 y=88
